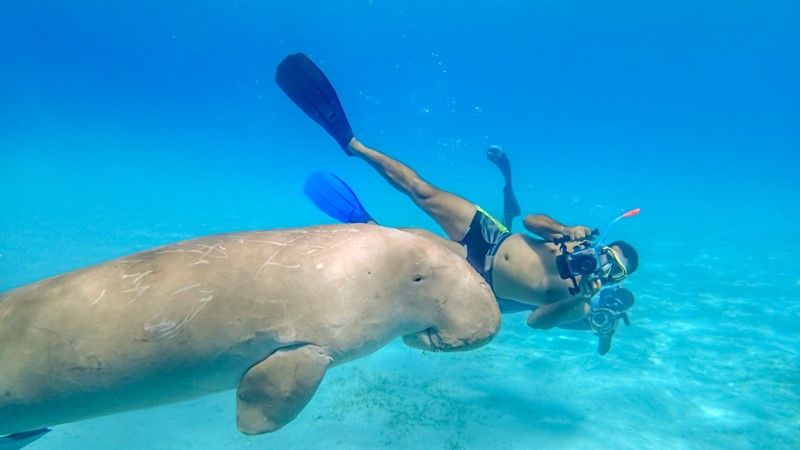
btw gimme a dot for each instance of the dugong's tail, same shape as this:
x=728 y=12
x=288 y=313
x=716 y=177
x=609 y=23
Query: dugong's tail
x=18 y=440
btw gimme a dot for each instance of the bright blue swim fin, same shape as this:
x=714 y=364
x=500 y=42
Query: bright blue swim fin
x=335 y=198
x=310 y=89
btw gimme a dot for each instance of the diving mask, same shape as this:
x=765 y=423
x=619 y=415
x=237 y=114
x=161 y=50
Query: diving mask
x=614 y=270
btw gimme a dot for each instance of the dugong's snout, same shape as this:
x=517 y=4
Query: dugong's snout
x=434 y=340
x=469 y=318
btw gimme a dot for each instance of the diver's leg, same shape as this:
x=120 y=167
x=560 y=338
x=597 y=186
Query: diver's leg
x=451 y=212
x=511 y=209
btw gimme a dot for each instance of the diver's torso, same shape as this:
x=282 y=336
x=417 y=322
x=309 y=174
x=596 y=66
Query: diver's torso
x=525 y=270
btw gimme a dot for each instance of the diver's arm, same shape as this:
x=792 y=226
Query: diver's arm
x=543 y=226
x=558 y=313
x=566 y=310
x=548 y=228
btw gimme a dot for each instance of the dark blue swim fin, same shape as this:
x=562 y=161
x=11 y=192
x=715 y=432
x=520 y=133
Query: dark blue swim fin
x=335 y=198
x=310 y=89
x=18 y=440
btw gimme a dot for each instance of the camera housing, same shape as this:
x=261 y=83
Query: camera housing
x=583 y=260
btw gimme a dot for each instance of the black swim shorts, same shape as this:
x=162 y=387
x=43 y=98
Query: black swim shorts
x=483 y=238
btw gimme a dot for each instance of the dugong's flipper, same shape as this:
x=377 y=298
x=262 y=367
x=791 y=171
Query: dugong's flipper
x=273 y=392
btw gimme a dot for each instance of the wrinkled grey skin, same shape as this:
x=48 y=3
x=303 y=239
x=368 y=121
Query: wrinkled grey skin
x=267 y=312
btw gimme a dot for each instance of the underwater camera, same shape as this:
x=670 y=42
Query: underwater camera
x=584 y=260
x=608 y=308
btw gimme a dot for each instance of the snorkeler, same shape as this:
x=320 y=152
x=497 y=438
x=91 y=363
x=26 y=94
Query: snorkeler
x=550 y=272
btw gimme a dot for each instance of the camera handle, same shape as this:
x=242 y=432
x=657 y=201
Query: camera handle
x=564 y=239
x=562 y=243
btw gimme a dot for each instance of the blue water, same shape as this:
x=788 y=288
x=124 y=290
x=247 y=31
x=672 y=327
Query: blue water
x=129 y=125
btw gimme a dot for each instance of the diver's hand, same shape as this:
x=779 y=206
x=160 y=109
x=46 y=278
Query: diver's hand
x=590 y=286
x=577 y=233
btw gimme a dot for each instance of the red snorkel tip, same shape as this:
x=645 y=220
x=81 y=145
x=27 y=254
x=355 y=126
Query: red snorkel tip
x=632 y=213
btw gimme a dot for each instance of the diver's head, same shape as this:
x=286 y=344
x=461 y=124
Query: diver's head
x=621 y=260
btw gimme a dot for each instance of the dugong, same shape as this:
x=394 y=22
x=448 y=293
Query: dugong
x=264 y=312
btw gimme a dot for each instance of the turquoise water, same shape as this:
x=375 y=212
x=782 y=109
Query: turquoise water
x=126 y=126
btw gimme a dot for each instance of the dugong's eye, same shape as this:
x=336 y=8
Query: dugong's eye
x=417 y=278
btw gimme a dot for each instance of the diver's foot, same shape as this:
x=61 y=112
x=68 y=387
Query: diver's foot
x=348 y=149
x=496 y=155
x=355 y=147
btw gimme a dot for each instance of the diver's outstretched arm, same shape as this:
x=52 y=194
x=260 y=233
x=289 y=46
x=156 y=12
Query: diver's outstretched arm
x=544 y=226
x=567 y=310
x=548 y=228
x=511 y=209
x=559 y=313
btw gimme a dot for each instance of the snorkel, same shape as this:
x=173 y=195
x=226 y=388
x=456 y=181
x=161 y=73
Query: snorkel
x=632 y=213
x=622 y=271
